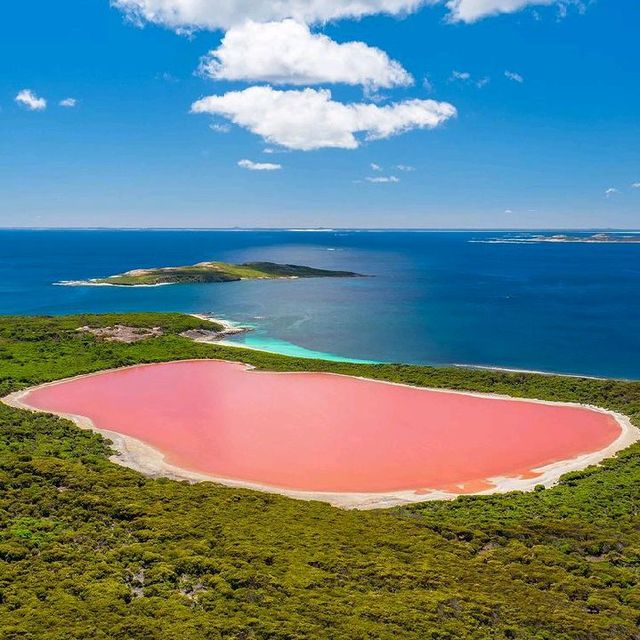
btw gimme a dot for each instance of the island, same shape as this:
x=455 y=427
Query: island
x=207 y=272
x=596 y=238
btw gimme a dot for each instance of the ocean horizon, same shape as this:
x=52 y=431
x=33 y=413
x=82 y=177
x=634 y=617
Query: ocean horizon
x=483 y=298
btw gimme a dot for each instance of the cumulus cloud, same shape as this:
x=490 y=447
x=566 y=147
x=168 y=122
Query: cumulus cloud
x=514 y=77
x=68 y=103
x=188 y=15
x=259 y=166
x=473 y=10
x=383 y=179
x=405 y=167
x=224 y=14
x=375 y=167
x=611 y=191
x=288 y=52
x=635 y=185
x=310 y=119
x=30 y=100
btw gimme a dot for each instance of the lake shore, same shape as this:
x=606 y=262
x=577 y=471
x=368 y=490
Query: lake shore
x=142 y=457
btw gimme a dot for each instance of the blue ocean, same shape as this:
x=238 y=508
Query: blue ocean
x=441 y=298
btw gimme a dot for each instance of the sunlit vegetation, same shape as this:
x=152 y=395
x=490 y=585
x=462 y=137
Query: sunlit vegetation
x=89 y=549
x=218 y=272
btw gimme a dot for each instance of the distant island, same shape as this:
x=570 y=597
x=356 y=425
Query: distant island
x=602 y=238
x=207 y=272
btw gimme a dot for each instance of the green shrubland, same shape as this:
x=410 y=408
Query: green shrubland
x=209 y=272
x=89 y=549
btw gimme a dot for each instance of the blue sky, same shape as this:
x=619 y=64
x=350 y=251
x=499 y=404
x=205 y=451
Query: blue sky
x=425 y=98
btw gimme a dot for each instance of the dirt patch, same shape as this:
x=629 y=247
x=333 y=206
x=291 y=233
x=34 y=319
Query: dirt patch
x=123 y=333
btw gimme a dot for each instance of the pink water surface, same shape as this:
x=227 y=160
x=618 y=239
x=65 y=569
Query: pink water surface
x=322 y=432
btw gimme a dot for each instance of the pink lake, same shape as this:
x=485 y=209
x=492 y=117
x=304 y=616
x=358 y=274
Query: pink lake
x=326 y=433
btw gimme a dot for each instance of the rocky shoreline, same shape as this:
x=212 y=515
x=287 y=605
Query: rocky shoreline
x=208 y=336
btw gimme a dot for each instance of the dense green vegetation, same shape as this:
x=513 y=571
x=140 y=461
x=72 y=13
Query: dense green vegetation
x=92 y=550
x=219 y=272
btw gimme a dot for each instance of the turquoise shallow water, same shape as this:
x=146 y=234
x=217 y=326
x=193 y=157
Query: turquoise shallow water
x=288 y=349
x=434 y=298
x=256 y=339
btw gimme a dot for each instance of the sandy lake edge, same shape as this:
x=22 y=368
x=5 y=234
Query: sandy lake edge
x=142 y=457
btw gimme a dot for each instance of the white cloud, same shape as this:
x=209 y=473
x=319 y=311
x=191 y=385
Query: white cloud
x=405 y=167
x=635 y=185
x=165 y=76
x=383 y=179
x=68 y=103
x=224 y=14
x=30 y=100
x=460 y=75
x=472 y=10
x=611 y=191
x=465 y=77
x=310 y=119
x=259 y=166
x=288 y=53
x=375 y=167
x=188 y=15
x=220 y=128
x=513 y=76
